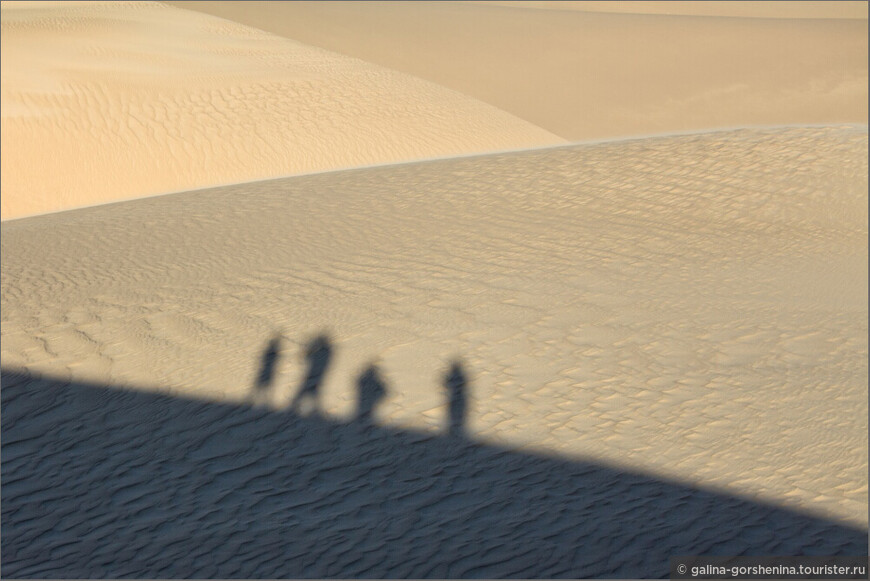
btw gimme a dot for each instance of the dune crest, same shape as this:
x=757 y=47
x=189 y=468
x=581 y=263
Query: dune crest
x=386 y=321
x=596 y=75
x=110 y=102
x=688 y=306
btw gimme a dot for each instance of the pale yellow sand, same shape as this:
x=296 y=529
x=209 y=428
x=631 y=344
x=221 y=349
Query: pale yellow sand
x=106 y=102
x=663 y=341
x=727 y=8
x=585 y=75
x=695 y=306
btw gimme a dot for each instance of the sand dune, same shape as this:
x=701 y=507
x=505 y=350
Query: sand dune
x=251 y=493
x=549 y=361
x=692 y=306
x=849 y=9
x=110 y=102
x=590 y=75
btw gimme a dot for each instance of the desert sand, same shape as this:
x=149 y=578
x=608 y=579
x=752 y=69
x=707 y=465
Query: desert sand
x=596 y=72
x=482 y=352
x=112 y=102
x=727 y=8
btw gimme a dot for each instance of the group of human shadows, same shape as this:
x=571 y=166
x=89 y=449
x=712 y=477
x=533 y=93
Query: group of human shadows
x=371 y=389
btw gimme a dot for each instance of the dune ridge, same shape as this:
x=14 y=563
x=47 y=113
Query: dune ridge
x=684 y=305
x=110 y=102
x=431 y=289
x=593 y=75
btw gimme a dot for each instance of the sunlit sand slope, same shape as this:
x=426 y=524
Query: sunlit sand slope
x=727 y=8
x=692 y=306
x=586 y=75
x=113 y=101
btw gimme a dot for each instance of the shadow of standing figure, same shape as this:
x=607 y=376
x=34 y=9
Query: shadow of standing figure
x=456 y=383
x=371 y=389
x=266 y=375
x=317 y=355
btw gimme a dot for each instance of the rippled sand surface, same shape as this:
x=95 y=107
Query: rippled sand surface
x=692 y=308
x=395 y=325
x=599 y=70
x=113 y=101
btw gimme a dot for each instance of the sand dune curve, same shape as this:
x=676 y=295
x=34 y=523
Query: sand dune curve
x=690 y=306
x=551 y=360
x=113 y=101
x=592 y=75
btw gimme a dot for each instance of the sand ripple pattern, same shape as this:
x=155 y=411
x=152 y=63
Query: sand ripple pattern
x=155 y=486
x=693 y=307
x=104 y=103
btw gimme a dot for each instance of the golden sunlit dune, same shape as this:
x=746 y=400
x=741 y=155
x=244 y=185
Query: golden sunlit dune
x=686 y=304
x=334 y=289
x=849 y=9
x=592 y=75
x=110 y=102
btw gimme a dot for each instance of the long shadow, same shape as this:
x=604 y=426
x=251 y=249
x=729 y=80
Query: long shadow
x=261 y=392
x=105 y=481
x=456 y=384
x=318 y=354
x=371 y=390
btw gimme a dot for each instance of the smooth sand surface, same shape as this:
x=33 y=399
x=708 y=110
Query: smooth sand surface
x=693 y=308
x=728 y=8
x=591 y=75
x=548 y=361
x=111 y=102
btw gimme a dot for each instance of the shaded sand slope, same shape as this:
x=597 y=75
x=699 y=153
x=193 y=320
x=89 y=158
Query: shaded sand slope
x=105 y=481
x=693 y=307
x=588 y=75
x=113 y=101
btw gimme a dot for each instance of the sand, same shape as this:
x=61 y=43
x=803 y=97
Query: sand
x=609 y=71
x=690 y=308
x=728 y=8
x=540 y=360
x=112 y=102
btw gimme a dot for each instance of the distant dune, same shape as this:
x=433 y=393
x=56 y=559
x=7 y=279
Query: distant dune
x=591 y=75
x=848 y=9
x=110 y=102
x=444 y=289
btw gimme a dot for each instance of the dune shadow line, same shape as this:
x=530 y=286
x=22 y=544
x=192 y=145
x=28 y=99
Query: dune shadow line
x=108 y=481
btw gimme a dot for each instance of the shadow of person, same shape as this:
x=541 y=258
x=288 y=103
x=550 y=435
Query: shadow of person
x=456 y=383
x=371 y=389
x=317 y=355
x=261 y=391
